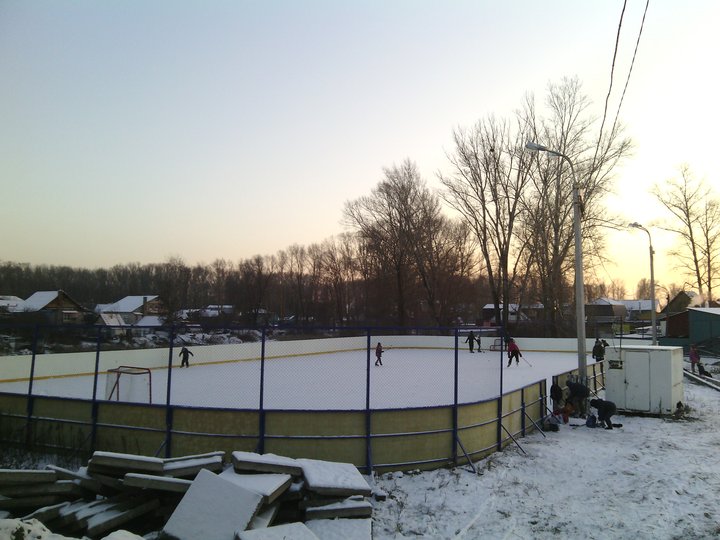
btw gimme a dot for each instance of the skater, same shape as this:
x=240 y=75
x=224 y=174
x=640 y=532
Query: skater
x=694 y=357
x=598 y=352
x=513 y=352
x=378 y=354
x=578 y=396
x=184 y=354
x=605 y=411
x=470 y=340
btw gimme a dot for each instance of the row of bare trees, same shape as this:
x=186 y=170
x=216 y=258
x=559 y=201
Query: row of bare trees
x=404 y=261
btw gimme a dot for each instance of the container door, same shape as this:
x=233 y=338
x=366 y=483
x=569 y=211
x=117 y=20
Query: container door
x=637 y=375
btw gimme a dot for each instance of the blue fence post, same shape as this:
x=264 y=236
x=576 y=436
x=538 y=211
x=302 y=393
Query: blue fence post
x=93 y=428
x=168 y=406
x=368 y=412
x=522 y=410
x=500 y=399
x=31 y=402
x=261 y=404
x=455 y=402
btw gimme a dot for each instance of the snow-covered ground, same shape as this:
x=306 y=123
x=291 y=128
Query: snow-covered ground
x=653 y=478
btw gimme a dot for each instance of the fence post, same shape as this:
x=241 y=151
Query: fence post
x=500 y=399
x=261 y=405
x=93 y=428
x=522 y=409
x=31 y=402
x=455 y=403
x=168 y=408
x=368 y=412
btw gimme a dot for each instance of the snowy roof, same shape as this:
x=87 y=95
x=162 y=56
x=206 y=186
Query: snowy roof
x=712 y=311
x=40 y=299
x=150 y=320
x=637 y=305
x=12 y=304
x=606 y=302
x=129 y=304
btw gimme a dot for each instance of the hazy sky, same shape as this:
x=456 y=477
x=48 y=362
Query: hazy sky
x=133 y=131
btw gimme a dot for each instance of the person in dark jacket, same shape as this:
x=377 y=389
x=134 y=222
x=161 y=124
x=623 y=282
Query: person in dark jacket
x=184 y=354
x=470 y=340
x=578 y=396
x=556 y=394
x=378 y=354
x=598 y=352
x=605 y=411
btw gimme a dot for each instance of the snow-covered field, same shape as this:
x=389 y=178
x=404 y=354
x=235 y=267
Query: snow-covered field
x=651 y=479
x=407 y=378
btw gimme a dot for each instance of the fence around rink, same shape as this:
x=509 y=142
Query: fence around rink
x=373 y=439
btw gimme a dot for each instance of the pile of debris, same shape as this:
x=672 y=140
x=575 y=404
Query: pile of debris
x=253 y=497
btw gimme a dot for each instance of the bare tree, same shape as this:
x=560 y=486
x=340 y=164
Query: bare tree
x=486 y=187
x=696 y=220
x=548 y=216
x=386 y=220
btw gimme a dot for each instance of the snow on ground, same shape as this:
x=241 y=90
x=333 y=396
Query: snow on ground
x=653 y=478
x=407 y=378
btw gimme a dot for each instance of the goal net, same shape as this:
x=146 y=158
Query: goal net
x=129 y=383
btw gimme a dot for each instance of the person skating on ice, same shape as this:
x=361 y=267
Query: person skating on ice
x=470 y=340
x=378 y=354
x=513 y=352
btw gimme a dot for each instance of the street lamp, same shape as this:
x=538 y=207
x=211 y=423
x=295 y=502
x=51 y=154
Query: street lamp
x=652 y=281
x=579 y=280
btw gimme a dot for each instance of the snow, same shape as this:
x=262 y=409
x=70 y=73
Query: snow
x=654 y=478
x=407 y=378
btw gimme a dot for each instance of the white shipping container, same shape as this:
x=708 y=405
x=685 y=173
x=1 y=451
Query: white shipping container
x=644 y=378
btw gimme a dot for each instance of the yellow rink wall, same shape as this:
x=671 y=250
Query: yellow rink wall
x=379 y=439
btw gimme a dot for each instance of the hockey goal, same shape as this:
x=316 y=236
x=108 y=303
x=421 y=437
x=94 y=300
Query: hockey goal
x=129 y=383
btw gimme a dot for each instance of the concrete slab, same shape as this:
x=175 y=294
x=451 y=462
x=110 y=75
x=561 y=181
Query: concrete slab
x=126 y=462
x=341 y=529
x=296 y=531
x=346 y=509
x=24 y=476
x=60 y=487
x=102 y=523
x=333 y=478
x=212 y=509
x=80 y=476
x=46 y=513
x=220 y=453
x=160 y=483
x=188 y=468
x=270 y=486
x=267 y=463
x=265 y=517
x=7 y=503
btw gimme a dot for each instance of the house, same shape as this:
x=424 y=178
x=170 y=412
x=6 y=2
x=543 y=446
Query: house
x=515 y=313
x=602 y=314
x=638 y=310
x=129 y=311
x=55 y=307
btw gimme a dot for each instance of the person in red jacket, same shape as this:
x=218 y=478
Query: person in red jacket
x=513 y=352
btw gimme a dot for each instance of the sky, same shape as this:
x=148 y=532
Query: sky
x=138 y=131
x=651 y=479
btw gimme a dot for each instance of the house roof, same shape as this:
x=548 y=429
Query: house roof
x=637 y=305
x=129 y=304
x=150 y=320
x=40 y=299
x=710 y=310
x=606 y=302
x=13 y=304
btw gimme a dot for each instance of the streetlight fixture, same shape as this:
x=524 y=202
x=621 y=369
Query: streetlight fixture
x=636 y=225
x=579 y=279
